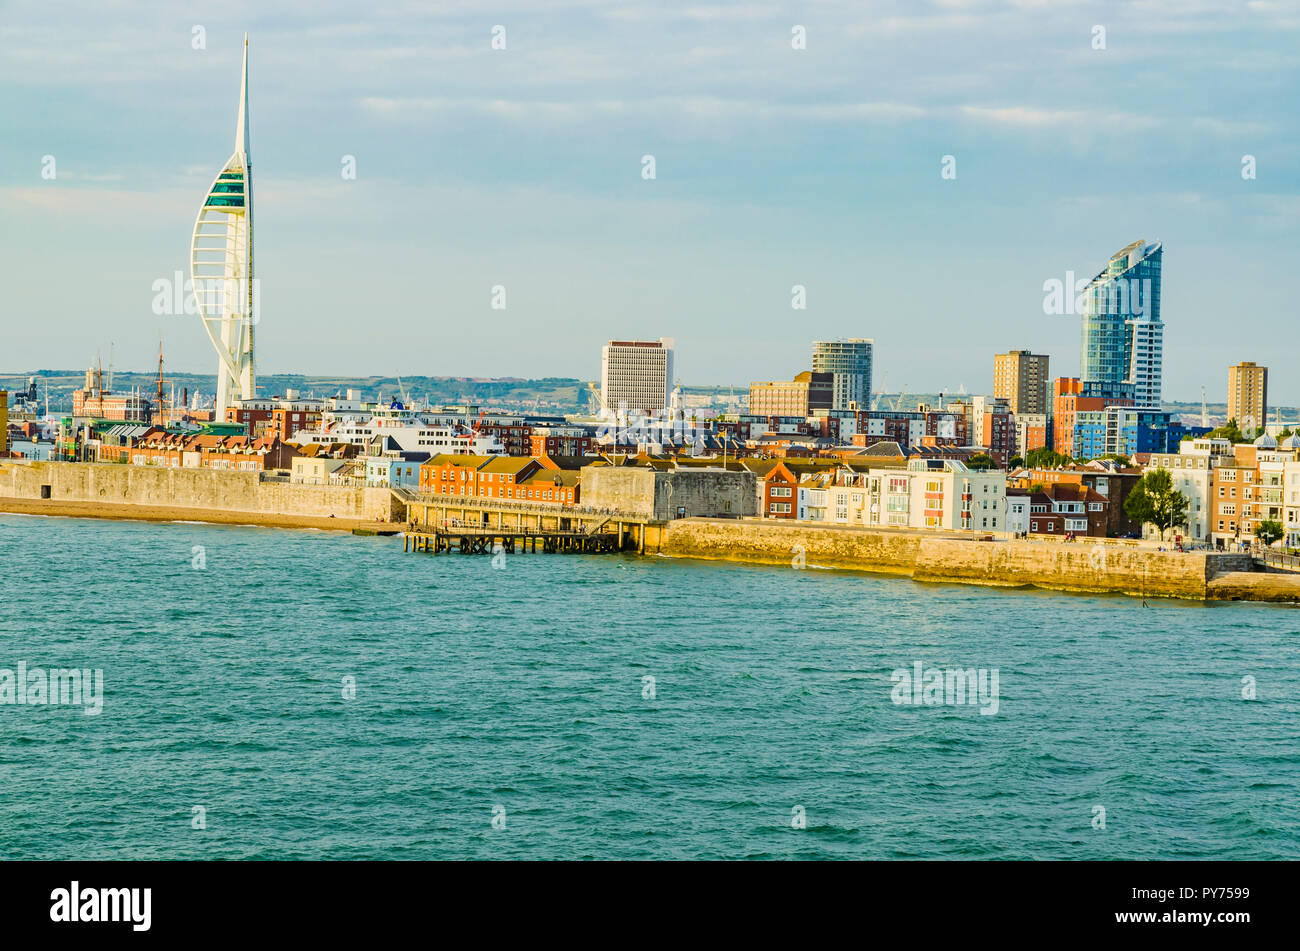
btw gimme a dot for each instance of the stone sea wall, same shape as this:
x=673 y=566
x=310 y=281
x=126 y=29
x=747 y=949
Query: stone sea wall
x=196 y=489
x=1090 y=566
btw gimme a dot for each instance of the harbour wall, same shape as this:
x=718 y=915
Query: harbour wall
x=1090 y=565
x=193 y=490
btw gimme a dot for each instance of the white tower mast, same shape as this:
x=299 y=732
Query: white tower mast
x=221 y=265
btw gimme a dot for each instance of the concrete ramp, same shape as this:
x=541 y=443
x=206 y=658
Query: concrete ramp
x=1255 y=586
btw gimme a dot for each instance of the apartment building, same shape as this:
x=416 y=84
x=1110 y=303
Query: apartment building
x=1252 y=487
x=1122 y=329
x=210 y=451
x=1033 y=431
x=1124 y=431
x=1248 y=396
x=1291 y=492
x=803 y=396
x=280 y=416
x=929 y=493
x=562 y=441
x=637 y=374
x=994 y=428
x=849 y=363
x=1071 y=396
x=513 y=432
x=1020 y=378
x=1193 y=471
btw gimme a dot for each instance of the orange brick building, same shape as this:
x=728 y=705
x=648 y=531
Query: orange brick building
x=516 y=478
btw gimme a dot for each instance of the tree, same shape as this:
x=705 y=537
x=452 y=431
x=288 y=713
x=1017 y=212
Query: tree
x=1285 y=434
x=981 y=460
x=1269 y=531
x=1016 y=462
x=1045 y=458
x=1155 y=501
x=1229 y=431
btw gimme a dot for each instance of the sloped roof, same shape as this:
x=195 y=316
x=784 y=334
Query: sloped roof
x=883 y=449
x=561 y=477
x=571 y=462
x=507 y=464
x=464 y=460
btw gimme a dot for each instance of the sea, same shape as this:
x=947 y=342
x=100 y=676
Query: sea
x=277 y=694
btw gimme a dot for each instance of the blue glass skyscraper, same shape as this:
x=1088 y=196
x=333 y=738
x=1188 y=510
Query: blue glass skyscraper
x=1123 y=337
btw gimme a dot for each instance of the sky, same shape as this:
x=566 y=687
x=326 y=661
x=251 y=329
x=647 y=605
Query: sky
x=774 y=166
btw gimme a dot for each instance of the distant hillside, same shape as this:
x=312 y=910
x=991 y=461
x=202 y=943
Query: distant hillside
x=550 y=395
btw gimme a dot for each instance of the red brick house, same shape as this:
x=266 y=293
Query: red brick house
x=1066 y=508
x=778 y=487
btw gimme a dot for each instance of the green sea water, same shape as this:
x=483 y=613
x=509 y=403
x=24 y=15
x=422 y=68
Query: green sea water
x=505 y=712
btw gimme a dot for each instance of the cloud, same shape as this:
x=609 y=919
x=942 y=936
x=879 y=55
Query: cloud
x=515 y=109
x=57 y=198
x=1035 y=117
x=696 y=106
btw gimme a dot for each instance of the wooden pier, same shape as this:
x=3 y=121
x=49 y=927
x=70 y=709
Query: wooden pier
x=491 y=541
x=528 y=526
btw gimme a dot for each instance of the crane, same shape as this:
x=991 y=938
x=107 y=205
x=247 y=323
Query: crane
x=899 y=399
x=595 y=391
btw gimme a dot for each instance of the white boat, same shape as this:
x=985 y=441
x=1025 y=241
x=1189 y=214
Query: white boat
x=410 y=430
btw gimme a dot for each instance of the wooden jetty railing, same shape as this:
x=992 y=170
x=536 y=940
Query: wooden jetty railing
x=490 y=542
